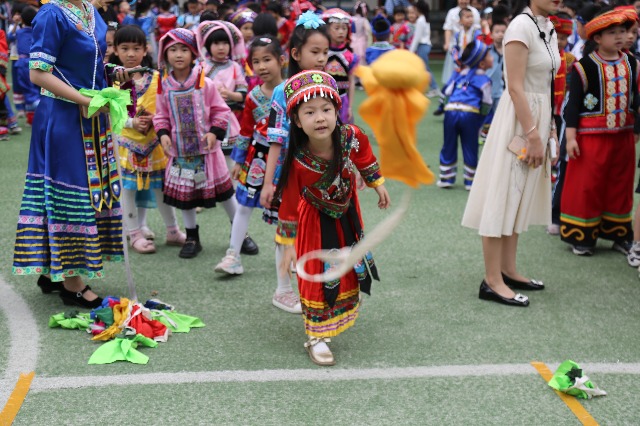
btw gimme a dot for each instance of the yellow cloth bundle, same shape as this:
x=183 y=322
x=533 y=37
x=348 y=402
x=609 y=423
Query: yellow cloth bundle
x=395 y=85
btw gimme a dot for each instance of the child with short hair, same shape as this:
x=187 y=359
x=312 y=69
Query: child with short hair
x=191 y=18
x=381 y=30
x=191 y=118
x=597 y=198
x=468 y=101
x=320 y=208
x=399 y=30
x=166 y=20
x=342 y=61
x=459 y=42
x=221 y=48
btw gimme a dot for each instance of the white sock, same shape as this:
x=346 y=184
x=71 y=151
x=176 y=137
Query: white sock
x=239 y=227
x=168 y=213
x=189 y=218
x=129 y=210
x=284 y=281
x=142 y=216
x=230 y=207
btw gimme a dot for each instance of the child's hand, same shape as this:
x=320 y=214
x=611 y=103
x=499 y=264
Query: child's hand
x=223 y=92
x=384 y=201
x=266 y=195
x=235 y=171
x=211 y=141
x=141 y=124
x=288 y=258
x=166 y=144
x=573 y=150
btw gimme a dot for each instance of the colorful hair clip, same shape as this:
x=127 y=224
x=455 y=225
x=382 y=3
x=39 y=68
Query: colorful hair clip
x=310 y=20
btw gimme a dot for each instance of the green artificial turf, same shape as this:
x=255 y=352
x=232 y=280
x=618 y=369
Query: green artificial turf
x=517 y=400
x=424 y=312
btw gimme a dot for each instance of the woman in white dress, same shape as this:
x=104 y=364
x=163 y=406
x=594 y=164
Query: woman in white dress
x=509 y=193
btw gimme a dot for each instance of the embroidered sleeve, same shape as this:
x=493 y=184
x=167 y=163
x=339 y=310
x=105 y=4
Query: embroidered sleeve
x=278 y=131
x=240 y=80
x=576 y=98
x=48 y=33
x=219 y=111
x=247 y=124
x=364 y=160
x=288 y=212
x=161 y=120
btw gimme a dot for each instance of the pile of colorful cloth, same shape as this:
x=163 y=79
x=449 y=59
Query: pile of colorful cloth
x=124 y=324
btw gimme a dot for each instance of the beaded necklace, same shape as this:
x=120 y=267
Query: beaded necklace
x=83 y=20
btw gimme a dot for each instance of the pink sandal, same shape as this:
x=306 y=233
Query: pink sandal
x=175 y=237
x=140 y=244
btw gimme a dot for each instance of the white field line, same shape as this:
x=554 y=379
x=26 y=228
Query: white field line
x=43 y=384
x=23 y=339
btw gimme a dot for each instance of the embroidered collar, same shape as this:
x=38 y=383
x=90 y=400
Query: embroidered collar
x=82 y=18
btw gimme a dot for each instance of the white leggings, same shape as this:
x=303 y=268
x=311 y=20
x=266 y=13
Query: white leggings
x=189 y=216
x=131 y=217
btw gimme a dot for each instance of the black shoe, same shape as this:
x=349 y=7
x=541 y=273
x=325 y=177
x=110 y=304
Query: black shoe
x=487 y=294
x=77 y=298
x=191 y=246
x=249 y=246
x=623 y=247
x=47 y=286
x=439 y=111
x=523 y=285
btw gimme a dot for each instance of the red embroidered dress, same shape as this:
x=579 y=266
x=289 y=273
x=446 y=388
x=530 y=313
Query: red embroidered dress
x=320 y=211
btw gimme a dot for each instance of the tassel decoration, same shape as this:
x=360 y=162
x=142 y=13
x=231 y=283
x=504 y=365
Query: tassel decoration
x=200 y=82
x=159 y=90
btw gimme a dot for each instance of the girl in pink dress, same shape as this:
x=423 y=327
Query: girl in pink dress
x=362 y=31
x=221 y=47
x=191 y=119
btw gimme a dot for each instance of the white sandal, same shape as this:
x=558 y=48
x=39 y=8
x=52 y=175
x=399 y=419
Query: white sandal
x=319 y=352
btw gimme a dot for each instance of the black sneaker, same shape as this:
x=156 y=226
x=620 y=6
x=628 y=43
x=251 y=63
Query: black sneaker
x=249 y=247
x=191 y=246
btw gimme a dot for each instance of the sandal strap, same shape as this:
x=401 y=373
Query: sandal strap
x=315 y=340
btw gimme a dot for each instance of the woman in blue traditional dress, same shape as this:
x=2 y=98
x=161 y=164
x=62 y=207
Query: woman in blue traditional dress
x=70 y=218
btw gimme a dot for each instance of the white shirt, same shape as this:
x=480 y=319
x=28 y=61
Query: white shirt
x=422 y=34
x=452 y=21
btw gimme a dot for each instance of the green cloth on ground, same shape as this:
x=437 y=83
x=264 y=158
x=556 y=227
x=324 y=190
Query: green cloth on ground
x=105 y=315
x=117 y=100
x=71 y=320
x=120 y=349
x=177 y=323
x=569 y=379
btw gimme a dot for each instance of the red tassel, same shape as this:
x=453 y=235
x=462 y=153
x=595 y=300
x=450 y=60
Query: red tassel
x=159 y=90
x=200 y=82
